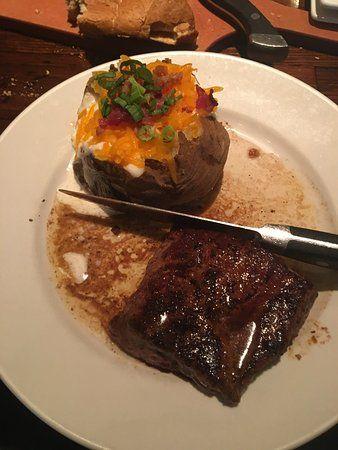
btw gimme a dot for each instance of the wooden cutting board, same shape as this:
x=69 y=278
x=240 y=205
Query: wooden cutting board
x=50 y=18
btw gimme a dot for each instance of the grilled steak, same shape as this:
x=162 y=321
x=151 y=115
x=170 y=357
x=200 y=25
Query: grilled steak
x=215 y=308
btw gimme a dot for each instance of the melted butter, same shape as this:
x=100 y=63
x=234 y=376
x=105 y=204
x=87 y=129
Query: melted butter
x=263 y=189
x=77 y=264
x=117 y=252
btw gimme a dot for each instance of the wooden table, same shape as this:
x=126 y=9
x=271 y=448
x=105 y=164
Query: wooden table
x=28 y=68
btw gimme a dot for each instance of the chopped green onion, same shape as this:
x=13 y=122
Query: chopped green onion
x=170 y=99
x=135 y=111
x=115 y=86
x=168 y=133
x=109 y=74
x=132 y=63
x=164 y=108
x=105 y=107
x=144 y=73
x=146 y=133
x=106 y=84
x=155 y=112
x=152 y=87
x=125 y=97
x=120 y=101
x=106 y=79
x=136 y=98
x=136 y=85
x=152 y=104
x=137 y=91
x=147 y=98
x=120 y=80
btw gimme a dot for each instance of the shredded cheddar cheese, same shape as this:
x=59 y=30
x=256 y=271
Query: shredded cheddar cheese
x=121 y=145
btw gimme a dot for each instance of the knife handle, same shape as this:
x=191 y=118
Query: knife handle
x=265 y=44
x=314 y=247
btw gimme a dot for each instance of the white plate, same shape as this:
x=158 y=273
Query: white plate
x=70 y=379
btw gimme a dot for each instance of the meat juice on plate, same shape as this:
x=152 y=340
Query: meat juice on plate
x=99 y=261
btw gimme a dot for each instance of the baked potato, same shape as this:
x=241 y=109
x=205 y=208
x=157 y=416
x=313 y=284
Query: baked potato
x=166 y=149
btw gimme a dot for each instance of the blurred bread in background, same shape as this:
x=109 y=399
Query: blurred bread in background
x=167 y=21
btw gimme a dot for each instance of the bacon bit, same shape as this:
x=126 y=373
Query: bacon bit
x=160 y=103
x=176 y=77
x=158 y=94
x=253 y=153
x=168 y=81
x=205 y=101
x=117 y=116
x=160 y=71
x=125 y=87
x=298 y=356
x=147 y=120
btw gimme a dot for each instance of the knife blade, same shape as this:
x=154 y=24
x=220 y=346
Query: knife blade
x=311 y=246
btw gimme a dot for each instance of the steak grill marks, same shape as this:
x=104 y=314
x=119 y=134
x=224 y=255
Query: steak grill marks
x=215 y=308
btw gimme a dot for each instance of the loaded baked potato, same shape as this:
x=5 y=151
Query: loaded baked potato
x=147 y=134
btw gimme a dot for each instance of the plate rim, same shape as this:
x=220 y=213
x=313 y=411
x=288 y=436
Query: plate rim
x=199 y=54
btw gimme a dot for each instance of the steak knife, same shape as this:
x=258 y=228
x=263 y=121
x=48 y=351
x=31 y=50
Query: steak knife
x=311 y=246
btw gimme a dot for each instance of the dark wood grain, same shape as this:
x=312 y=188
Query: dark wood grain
x=28 y=68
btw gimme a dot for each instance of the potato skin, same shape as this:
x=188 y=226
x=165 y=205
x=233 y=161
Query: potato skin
x=199 y=166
